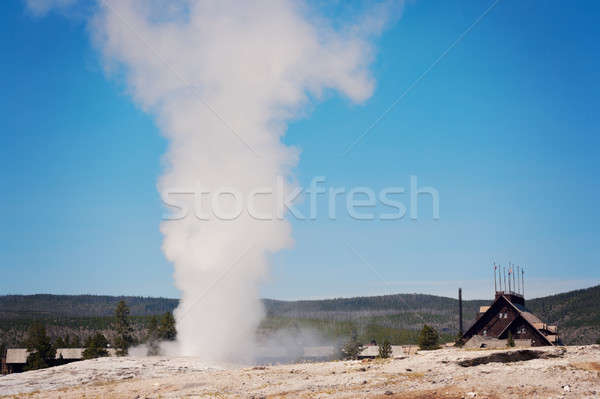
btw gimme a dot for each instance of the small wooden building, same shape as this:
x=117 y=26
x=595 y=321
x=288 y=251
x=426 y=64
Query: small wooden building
x=508 y=316
x=13 y=360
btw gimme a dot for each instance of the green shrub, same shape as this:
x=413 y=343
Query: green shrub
x=385 y=349
x=510 y=342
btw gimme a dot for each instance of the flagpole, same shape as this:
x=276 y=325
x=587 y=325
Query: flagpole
x=509 y=283
x=495 y=287
x=523 y=281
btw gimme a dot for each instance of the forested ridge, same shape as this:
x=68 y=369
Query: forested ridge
x=398 y=317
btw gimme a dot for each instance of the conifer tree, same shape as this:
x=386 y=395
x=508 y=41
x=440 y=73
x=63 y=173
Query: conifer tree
x=167 y=330
x=95 y=346
x=458 y=342
x=41 y=351
x=59 y=343
x=2 y=350
x=123 y=328
x=152 y=337
x=428 y=338
x=353 y=348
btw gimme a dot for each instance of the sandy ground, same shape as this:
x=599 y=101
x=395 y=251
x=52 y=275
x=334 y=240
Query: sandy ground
x=571 y=372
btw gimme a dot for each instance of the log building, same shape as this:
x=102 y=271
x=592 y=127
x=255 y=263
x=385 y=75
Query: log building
x=508 y=317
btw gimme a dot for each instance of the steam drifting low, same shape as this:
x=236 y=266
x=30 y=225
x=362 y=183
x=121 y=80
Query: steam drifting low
x=222 y=78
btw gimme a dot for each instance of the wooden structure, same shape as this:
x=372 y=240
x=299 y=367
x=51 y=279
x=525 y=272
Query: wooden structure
x=508 y=316
x=13 y=360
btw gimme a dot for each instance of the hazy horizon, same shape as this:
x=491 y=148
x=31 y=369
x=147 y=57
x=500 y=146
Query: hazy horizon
x=466 y=293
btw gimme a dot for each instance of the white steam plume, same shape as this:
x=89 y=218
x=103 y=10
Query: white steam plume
x=222 y=78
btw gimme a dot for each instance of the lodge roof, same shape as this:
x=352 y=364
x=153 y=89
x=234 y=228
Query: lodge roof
x=527 y=315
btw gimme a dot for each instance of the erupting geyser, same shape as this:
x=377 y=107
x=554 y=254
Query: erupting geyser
x=222 y=78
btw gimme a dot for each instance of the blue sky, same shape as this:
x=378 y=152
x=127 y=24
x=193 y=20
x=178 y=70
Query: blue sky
x=504 y=127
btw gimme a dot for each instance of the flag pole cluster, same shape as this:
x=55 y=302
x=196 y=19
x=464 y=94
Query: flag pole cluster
x=509 y=279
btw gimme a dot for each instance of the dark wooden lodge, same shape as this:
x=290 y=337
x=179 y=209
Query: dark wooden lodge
x=508 y=317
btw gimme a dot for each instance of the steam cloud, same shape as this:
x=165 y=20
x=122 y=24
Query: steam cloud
x=222 y=78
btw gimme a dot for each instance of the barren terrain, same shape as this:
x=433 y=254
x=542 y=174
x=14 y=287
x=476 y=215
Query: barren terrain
x=569 y=372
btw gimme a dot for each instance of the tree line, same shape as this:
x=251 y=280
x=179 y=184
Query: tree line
x=42 y=351
x=576 y=313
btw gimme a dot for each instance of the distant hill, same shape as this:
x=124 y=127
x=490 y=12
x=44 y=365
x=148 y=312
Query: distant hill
x=46 y=305
x=409 y=311
x=577 y=313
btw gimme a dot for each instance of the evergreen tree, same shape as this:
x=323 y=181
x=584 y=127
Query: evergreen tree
x=385 y=349
x=42 y=352
x=152 y=337
x=352 y=349
x=2 y=350
x=428 y=338
x=458 y=342
x=123 y=328
x=510 y=341
x=59 y=343
x=76 y=342
x=167 y=330
x=95 y=346
x=598 y=341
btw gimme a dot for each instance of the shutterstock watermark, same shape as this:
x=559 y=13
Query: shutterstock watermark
x=279 y=200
